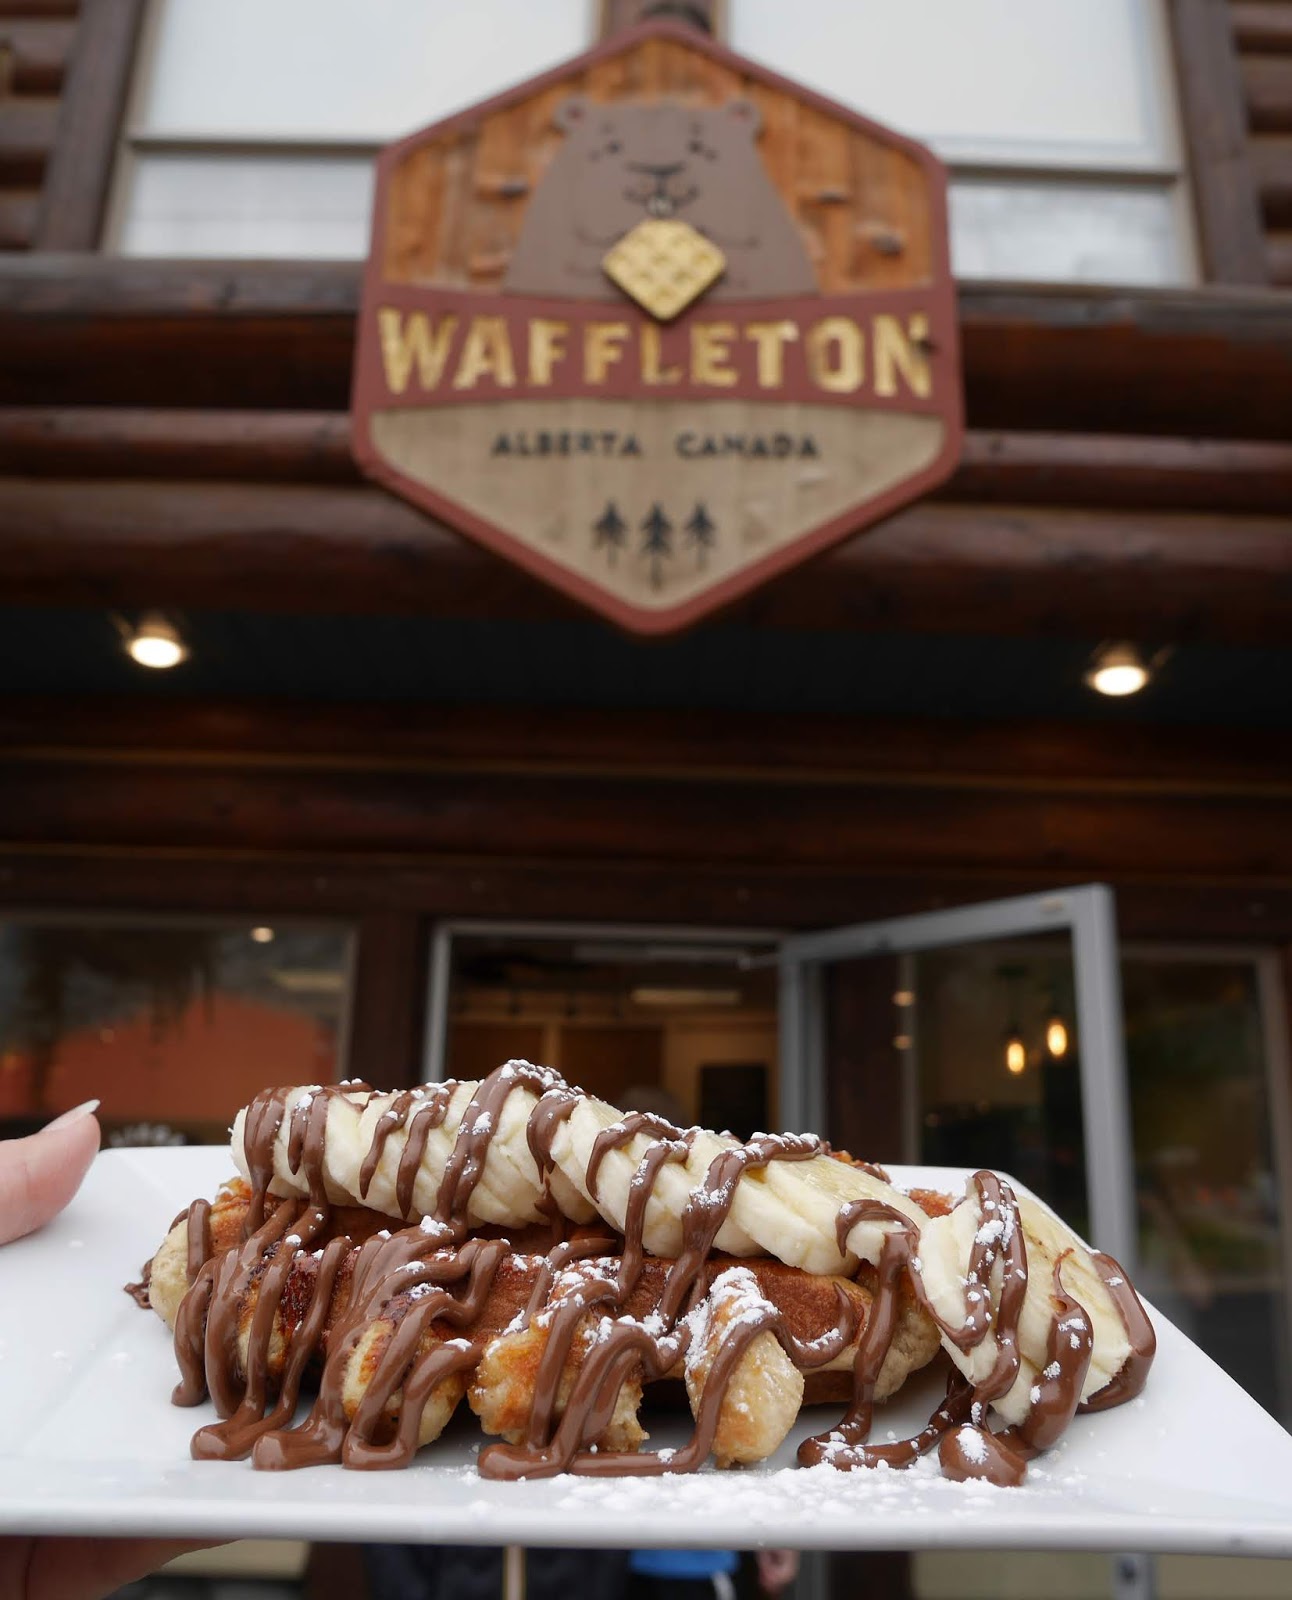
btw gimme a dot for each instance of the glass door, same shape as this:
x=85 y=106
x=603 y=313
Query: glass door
x=989 y=1034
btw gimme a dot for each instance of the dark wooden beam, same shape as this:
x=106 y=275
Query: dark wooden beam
x=1262 y=26
x=93 y=101
x=36 y=51
x=166 y=879
x=389 y=999
x=936 y=566
x=675 y=823
x=617 y=15
x=1213 y=110
x=85 y=330
x=1271 y=156
x=506 y=743
x=1267 y=89
x=306 y=447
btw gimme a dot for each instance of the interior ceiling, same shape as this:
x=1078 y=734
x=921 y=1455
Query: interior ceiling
x=722 y=666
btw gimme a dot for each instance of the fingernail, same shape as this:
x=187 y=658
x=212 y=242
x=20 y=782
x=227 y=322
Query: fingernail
x=86 y=1109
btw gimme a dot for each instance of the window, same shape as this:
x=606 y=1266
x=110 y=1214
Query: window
x=1056 y=120
x=173 y=1023
x=254 y=123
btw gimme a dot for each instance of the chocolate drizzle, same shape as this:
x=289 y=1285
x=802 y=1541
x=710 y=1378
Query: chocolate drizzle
x=405 y=1304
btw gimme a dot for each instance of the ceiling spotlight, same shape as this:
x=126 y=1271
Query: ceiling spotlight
x=1117 y=669
x=156 y=643
x=1015 y=1052
x=263 y=935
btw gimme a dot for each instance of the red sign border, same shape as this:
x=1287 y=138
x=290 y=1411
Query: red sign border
x=670 y=619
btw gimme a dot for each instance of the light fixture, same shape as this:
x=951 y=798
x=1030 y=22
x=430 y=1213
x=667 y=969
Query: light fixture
x=1117 y=670
x=155 y=643
x=1056 y=1036
x=657 y=995
x=1015 y=1052
x=262 y=935
x=904 y=997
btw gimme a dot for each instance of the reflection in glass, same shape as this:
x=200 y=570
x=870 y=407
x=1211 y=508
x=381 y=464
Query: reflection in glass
x=992 y=1090
x=1209 y=1196
x=172 y=1026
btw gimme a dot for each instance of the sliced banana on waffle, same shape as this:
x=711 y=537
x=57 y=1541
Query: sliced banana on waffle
x=945 y=1246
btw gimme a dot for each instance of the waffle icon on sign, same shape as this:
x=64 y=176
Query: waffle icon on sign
x=664 y=265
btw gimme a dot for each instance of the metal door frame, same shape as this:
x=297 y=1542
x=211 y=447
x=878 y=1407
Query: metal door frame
x=1088 y=913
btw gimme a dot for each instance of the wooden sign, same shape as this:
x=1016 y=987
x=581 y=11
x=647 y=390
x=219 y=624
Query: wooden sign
x=658 y=325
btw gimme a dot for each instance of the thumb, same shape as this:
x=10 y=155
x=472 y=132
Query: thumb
x=39 y=1175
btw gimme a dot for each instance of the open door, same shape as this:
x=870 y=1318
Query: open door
x=985 y=1035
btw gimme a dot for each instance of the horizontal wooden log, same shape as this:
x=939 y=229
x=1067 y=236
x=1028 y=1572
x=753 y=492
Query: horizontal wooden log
x=1267 y=90
x=261 y=888
x=28 y=124
x=935 y=566
x=314 y=447
x=22 y=10
x=93 y=330
x=587 y=820
x=18 y=209
x=82 y=735
x=1262 y=27
x=1271 y=158
x=37 y=51
x=1278 y=256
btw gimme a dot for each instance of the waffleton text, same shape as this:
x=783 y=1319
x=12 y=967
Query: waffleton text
x=451 y=355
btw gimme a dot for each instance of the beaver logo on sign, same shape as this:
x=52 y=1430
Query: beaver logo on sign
x=620 y=165
x=657 y=326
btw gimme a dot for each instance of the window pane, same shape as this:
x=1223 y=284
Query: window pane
x=343 y=69
x=1048 y=81
x=302 y=206
x=247 y=205
x=173 y=1026
x=1209 y=1195
x=982 y=1104
x=1066 y=233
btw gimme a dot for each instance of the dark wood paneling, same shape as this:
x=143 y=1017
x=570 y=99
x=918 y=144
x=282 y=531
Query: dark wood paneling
x=27 y=128
x=94 y=98
x=411 y=816
x=37 y=50
x=1000 y=569
x=389 y=999
x=94 y=330
x=863 y=1067
x=1278 y=256
x=1212 y=105
x=18 y=209
x=1262 y=26
x=715 y=896
x=618 y=15
x=504 y=742
x=1271 y=156
x=314 y=447
x=1267 y=89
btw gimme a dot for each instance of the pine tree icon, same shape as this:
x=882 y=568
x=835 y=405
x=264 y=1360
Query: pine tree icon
x=658 y=543
x=609 y=530
x=700 y=530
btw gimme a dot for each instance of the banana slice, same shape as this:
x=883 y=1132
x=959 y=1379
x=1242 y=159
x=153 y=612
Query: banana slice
x=343 y=1146
x=944 y=1251
x=792 y=1206
x=675 y=1182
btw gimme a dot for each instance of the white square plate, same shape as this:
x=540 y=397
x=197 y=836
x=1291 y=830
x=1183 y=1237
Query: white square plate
x=90 y=1444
